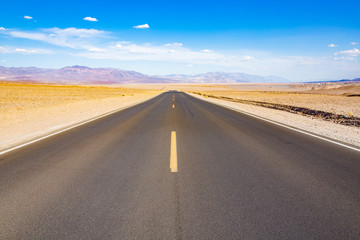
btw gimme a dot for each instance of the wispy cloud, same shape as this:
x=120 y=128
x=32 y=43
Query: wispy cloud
x=22 y=50
x=2 y=29
x=168 y=52
x=91 y=19
x=3 y=50
x=19 y=50
x=142 y=26
x=90 y=43
x=247 y=58
x=94 y=49
x=28 y=17
x=352 y=52
x=332 y=45
x=77 y=38
x=354 y=43
x=344 y=58
x=173 y=45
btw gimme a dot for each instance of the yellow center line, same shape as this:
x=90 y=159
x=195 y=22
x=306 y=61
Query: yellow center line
x=173 y=153
x=173 y=106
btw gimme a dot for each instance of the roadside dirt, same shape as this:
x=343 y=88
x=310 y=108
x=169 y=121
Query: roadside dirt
x=349 y=120
x=332 y=130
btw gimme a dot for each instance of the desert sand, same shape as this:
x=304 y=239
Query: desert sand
x=28 y=111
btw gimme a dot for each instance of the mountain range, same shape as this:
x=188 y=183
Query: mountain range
x=75 y=75
x=86 y=75
x=223 y=77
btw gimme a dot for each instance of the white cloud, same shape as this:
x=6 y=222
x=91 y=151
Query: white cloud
x=352 y=52
x=76 y=38
x=346 y=58
x=121 y=44
x=173 y=45
x=354 y=43
x=22 y=50
x=18 y=50
x=3 y=50
x=142 y=26
x=132 y=51
x=2 y=29
x=90 y=19
x=96 y=50
x=247 y=58
x=28 y=17
x=332 y=45
x=92 y=41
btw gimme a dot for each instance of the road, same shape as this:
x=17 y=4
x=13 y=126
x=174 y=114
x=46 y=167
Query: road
x=237 y=177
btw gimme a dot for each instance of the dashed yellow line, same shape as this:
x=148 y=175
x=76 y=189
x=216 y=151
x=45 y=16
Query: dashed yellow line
x=173 y=106
x=173 y=153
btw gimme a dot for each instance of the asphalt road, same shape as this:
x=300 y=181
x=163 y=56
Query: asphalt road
x=238 y=178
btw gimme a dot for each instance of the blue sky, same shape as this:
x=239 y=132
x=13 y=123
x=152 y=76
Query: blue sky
x=298 y=40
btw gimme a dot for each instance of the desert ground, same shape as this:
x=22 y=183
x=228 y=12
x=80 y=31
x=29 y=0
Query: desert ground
x=28 y=111
x=32 y=110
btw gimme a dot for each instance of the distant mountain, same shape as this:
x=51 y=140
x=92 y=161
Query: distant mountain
x=86 y=75
x=77 y=75
x=223 y=77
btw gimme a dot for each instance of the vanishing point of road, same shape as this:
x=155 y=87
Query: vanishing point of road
x=177 y=167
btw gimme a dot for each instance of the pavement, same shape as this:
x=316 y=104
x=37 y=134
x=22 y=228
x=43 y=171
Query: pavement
x=177 y=167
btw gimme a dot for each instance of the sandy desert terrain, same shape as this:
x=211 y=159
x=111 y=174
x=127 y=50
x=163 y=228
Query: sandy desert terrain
x=31 y=110
x=344 y=100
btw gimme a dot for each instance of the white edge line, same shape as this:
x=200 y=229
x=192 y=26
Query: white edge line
x=283 y=125
x=73 y=126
